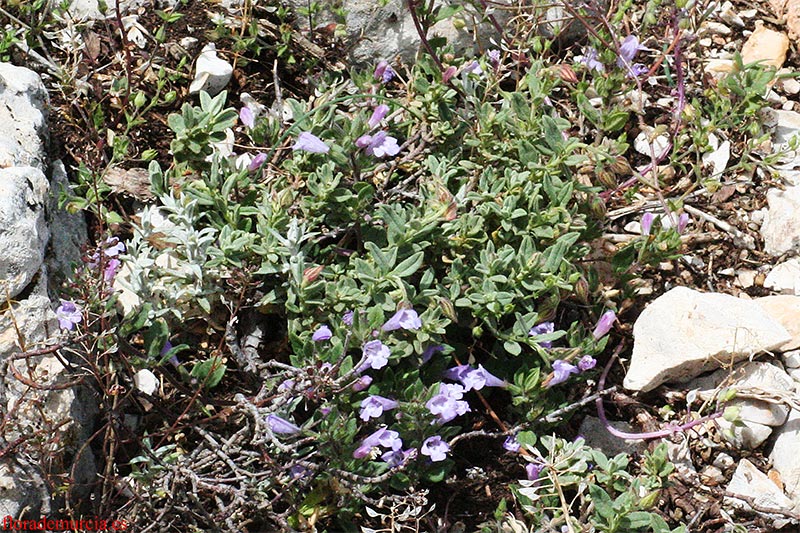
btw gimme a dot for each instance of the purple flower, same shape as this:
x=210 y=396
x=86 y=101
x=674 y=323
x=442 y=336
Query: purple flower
x=362 y=383
x=511 y=444
x=113 y=247
x=374 y=406
x=647 y=223
x=604 y=324
x=378 y=115
x=397 y=458
x=376 y=355
x=430 y=350
x=637 y=70
x=173 y=360
x=247 y=117
x=587 y=362
x=68 y=314
x=323 y=333
x=474 y=378
x=298 y=471
x=286 y=385
x=310 y=143
x=447 y=403
x=378 y=145
x=543 y=329
x=590 y=58
x=347 y=318
x=257 y=161
x=532 y=470
x=403 y=319
x=385 y=438
x=111 y=269
x=627 y=50
x=474 y=68
x=561 y=372
x=281 y=426
x=435 y=448
x=448 y=74
x=683 y=221
x=494 y=57
x=384 y=72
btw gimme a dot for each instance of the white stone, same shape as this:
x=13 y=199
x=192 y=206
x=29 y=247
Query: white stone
x=684 y=333
x=212 y=73
x=751 y=482
x=785 y=277
x=718 y=157
x=792 y=359
x=781 y=227
x=146 y=381
x=23 y=121
x=785 y=454
x=747 y=435
x=24 y=235
x=785 y=309
x=788 y=125
x=644 y=142
x=727 y=13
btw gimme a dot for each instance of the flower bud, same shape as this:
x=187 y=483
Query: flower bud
x=607 y=178
x=582 y=290
x=567 y=74
x=620 y=166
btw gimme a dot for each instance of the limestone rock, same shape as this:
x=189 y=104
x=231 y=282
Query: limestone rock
x=23 y=122
x=750 y=481
x=24 y=234
x=67 y=230
x=785 y=309
x=747 y=435
x=785 y=457
x=767 y=46
x=684 y=333
x=785 y=277
x=781 y=227
x=786 y=124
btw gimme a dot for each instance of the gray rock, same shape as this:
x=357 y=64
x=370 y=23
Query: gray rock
x=67 y=230
x=684 y=333
x=597 y=436
x=23 y=122
x=749 y=481
x=781 y=227
x=23 y=232
x=787 y=125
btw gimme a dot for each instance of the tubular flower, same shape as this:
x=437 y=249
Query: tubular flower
x=604 y=324
x=68 y=314
x=281 y=426
x=310 y=143
x=384 y=438
x=561 y=372
x=447 y=403
x=403 y=319
x=435 y=448
x=323 y=333
x=374 y=406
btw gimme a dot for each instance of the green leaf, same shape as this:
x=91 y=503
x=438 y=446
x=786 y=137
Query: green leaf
x=209 y=372
x=602 y=502
x=408 y=266
x=156 y=337
x=512 y=347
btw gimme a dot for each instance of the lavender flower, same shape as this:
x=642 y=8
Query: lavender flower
x=111 y=269
x=587 y=362
x=448 y=74
x=378 y=145
x=323 y=333
x=637 y=70
x=397 y=458
x=378 y=115
x=257 y=161
x=113 y=247
x=511 y=444
x=281 y=426
x=298 y=471
x=435 y=448
x=561 y=372
x=494 y=57
x=310 y=143
x=474 y=378
x=403 y=319
x=376 y=354
x=683 y=221
x=347 y=318
x=385 y=438
x=447 y=403
x=374 y=406
x=429 y=351
x=628 y=49
x=532 y=470
x=647 y=223
x=247 y=117
x=543 y=329
x=474 y=68
x=604 y=324
x=68 y=314
x=362 y=384
x=173 y=360
x=590 y=58
x=384 y=72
